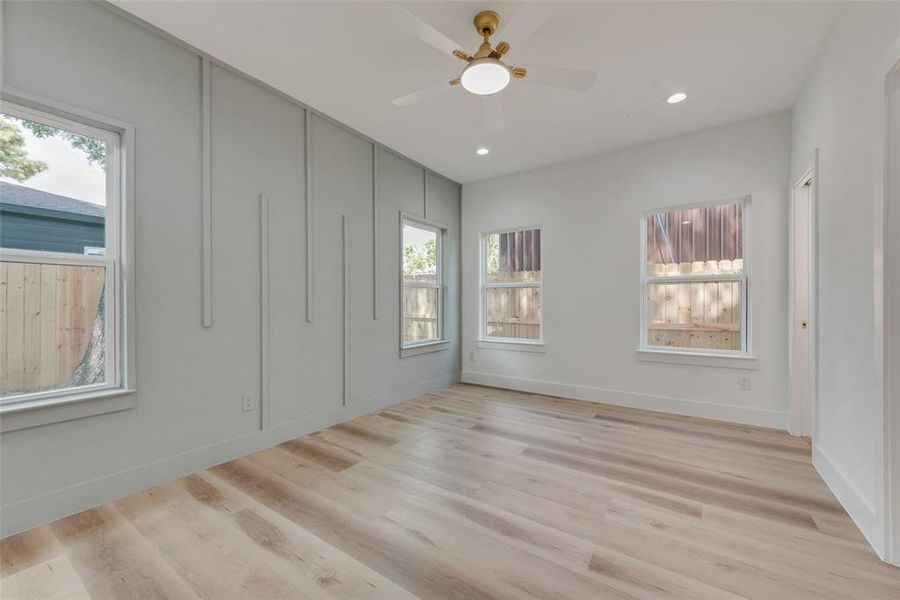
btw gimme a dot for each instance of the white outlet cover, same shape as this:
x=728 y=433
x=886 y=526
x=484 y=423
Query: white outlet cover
x=247 y=402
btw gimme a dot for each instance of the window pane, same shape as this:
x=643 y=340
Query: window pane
x=513 y=256
x=52 y=188
x=513 y=312
x=704 y=240
x=695 y=315
x=52 y=326
x=419 y=254
x=420 y=314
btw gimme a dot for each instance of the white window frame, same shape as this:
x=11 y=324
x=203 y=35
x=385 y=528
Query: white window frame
x=117 y=393
x=439 y=343
x=679 y=353
x=501 y=343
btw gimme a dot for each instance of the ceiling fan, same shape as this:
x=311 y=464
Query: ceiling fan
x=486 y=73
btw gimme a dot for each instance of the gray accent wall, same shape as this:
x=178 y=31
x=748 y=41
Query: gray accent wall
x=189 y=378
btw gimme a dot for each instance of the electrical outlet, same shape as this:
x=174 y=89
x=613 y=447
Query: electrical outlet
x=247 y=402
x=744 y=383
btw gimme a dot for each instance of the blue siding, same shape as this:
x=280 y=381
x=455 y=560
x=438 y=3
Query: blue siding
x=53 y=231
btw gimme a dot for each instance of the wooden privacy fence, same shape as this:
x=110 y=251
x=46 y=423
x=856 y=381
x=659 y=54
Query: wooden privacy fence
x=47 y=313
x=513 y=312
x=419 y=313
x=696 y=315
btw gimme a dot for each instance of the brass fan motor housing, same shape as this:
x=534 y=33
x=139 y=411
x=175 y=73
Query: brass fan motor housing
x=486 y=22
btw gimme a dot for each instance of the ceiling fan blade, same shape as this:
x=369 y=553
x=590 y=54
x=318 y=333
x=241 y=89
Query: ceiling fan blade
x=570 y=79
x=419 y=95
x=525 y=21
x=426 y=32
x=494 y=117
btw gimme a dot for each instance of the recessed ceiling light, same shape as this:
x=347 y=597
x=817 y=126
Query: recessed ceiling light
x=686 y=222
x=676 y=98
x=482 y=151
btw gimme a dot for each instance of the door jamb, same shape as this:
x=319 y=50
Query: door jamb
x=811 y=175
x=887 y=248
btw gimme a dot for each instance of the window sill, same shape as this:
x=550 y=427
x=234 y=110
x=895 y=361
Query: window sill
x=44 y=411
x=516 y=346
x=424 y=348
x=698 y=359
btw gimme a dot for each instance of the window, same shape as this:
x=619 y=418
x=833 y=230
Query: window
x=511 y=286
x=59 y=256
x=421 y=289
x=695 y=279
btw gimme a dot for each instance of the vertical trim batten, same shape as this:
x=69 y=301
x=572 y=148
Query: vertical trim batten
x=375 y=231
x=345 y=267
x=264 y=311
x=206 y=193
x=307 y=155
x=424 y=193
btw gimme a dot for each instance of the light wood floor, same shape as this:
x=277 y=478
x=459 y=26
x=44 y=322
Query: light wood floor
x=468 y=493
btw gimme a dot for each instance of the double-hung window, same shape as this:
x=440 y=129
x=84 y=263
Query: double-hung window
x=695 y=279
x=59 y=256
x=421 y=293
x=511 y=286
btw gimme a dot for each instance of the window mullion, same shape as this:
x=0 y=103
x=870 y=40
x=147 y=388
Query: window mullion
x=695 y=278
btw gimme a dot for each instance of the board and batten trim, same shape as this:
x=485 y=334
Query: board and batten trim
x=345 y=300
x=132 y=18
x=307 y=156
x=679 y=406
x=206 y=193
x=375 y=231
x=263 y=311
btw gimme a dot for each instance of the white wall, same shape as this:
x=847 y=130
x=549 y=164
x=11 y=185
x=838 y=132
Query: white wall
x=190 y=379
x=590 y=211
x=839 y=112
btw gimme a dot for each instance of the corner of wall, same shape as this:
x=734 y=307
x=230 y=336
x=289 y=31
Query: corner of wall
x=863 y=513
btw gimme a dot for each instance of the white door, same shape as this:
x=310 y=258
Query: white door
x=801 y=334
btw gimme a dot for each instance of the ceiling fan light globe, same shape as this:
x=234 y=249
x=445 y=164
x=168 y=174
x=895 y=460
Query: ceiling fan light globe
x=485 y=76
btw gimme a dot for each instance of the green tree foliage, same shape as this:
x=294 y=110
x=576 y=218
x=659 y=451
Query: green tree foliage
x=14 y=161
x=493 y=253
x=94 y=149
x=418 y=262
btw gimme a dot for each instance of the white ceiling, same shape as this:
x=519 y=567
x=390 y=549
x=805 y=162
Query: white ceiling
x=349 y=60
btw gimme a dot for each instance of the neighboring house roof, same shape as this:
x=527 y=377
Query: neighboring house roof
x=25 y=197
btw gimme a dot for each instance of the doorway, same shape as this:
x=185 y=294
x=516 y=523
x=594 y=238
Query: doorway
x=802 y=305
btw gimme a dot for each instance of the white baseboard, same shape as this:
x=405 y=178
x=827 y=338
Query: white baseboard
x=854 y=502
x=680 y=406
x=50 y=506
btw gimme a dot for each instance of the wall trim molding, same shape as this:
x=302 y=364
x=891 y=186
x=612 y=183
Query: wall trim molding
x=345 y=308
x=681 y=406
x=206 y=191
x=44 y=508
x=133 y=18
x=858 y=507
x=307 y=158
x=263 y=311
x=375 y=278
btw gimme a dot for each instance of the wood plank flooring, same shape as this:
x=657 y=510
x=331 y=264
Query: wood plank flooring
x=473 y=492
